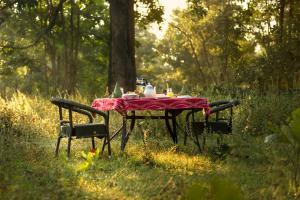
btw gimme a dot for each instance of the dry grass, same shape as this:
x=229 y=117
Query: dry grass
x=155 y=169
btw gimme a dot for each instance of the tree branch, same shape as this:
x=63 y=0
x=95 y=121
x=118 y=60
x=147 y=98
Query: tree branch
x=192 y=47
x=42 y=33
x=8 y=5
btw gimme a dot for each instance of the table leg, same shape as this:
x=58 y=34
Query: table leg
x=173 y=133
x=125 y=134
x=188 y=128
x=132 y=121
x=174 y=127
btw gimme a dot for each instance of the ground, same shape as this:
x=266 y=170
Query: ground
x=151 y=167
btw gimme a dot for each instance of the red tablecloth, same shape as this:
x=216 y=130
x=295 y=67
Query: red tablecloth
x=123 y=105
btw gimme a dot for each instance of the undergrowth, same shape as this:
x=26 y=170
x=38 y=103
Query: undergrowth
x=151 y=167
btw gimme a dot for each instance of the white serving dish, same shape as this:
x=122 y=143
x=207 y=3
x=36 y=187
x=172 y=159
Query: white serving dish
x=130 y=96
x=161 y=96
x=184 y=96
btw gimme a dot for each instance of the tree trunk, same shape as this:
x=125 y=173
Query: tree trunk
x=122 y=62
x=76 y=47
x=71 y=63
x=65 y=67
x=281 y=21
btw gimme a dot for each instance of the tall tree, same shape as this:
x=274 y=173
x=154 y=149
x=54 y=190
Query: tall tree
x=122 y=67
x=61 y=44
x=122 y=62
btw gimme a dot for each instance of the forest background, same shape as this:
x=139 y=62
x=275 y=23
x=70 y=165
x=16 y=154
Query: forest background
x=50 y=46
x=231 y=49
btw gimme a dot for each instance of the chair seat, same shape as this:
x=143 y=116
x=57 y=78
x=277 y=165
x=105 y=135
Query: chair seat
x=84 y=130
x=221 y=124
x=222 y=127
x=198 y=128
x=90 y=130
x=70 y=130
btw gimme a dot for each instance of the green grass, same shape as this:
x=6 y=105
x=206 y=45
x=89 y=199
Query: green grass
x=154 y=169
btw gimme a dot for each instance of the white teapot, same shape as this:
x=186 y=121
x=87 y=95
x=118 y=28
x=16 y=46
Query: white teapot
x=149 y=91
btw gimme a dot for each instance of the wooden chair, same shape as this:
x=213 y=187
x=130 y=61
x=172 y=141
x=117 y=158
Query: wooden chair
x=70 y=130
x=219 y=120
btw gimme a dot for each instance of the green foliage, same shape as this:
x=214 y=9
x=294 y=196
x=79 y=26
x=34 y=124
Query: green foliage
x=64 y=44
x=89 y=160
x=240 y=44
x=263 y=114
x=290 y=136
x=28 y=131
x=151 y=12
x=294 y=130
x=245 y=44
x=70 y=53
x=197 y=8
x=204 y=47
x=218 y=189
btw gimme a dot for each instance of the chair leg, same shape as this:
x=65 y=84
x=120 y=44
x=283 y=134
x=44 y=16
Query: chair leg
x=220 y=140
x=186 y=131
x=69 y=146
x=198 y=144
x=93 y=143
x=174 y=128
x=103 y=146
x=108 y=147
x=203 y=141
x=185 y=138
x=57 y=145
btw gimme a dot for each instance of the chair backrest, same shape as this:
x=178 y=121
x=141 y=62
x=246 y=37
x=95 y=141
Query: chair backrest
x=219 y=124
x=222 y=105
x=218 y=106
x=81 y=130
x=73 y=106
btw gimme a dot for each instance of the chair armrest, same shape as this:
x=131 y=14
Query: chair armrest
x=235 y=102
x=78 y=107
x=230 y=104
x=216 y=107
x=218 y=103
x=187 y=118
x=84 y=112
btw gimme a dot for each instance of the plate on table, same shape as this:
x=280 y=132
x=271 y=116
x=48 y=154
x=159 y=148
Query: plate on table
x=130 y=96
x=161 y=96
x=184 y=96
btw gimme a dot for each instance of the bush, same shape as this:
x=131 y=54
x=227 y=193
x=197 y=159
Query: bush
x=26 y=116
x=261 y=115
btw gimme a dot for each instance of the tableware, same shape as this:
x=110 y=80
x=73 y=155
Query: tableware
x=170 y=92
x=117 y=91
x=159 y=96
x=184 y=96
x=130 y=96
x=149 y=91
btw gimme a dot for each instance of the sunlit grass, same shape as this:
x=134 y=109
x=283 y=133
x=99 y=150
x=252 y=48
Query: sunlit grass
x=151 y=167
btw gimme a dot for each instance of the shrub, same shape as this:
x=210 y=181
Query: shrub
x=260 y=115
